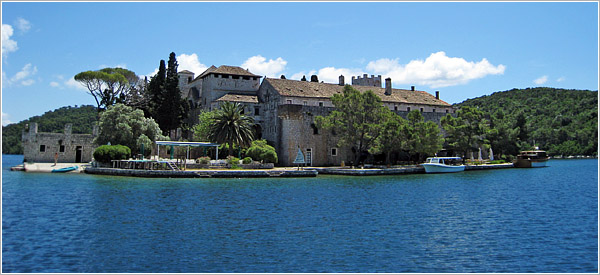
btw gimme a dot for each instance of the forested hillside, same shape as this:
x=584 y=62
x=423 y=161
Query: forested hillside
x=560 y=121
x=82 y=118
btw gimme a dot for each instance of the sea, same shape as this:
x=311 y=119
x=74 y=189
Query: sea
x=495 y=221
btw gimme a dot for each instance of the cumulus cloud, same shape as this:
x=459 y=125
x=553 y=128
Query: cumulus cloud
x=5 y=119
x=332 y=74
x=561 y=79
x=22 y=77
x=55 y=84
x=73 y=84
x=541 y=80
x=122 y=66
x=299 y=75
x=438 y=70
x=260 y=66
x=22 y=25
x=189 y=62
x=8 y=45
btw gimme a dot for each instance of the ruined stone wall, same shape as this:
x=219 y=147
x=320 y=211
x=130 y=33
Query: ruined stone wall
x=215 y=86
x=41 y=147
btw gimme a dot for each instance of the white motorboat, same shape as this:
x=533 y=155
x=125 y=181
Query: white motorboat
x=443 y=165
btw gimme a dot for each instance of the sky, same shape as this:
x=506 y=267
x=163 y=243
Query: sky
x=462 y=49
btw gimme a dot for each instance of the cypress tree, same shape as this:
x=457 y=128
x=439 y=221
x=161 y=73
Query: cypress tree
x=155 y=90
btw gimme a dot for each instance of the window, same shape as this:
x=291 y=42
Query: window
x=320 y=103
x=421 y=110
x=62 y=149
x=408 y=109
x=433 y=110
x=189 y=79
x=42 y=148
x=446 y=111
x=289 y=101
x=395 y=108
x=334 y=152
x=256 y=111
x=315 y=129
x=305 y=103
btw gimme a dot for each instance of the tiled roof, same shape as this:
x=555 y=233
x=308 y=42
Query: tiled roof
x=297 y=88
x=224 y=69
x=185 y=72
x=239 y=98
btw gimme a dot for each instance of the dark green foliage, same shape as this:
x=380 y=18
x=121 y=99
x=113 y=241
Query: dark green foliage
x=261 y=151
x=561 y=121
x=303 y=78
x=314 y=78
x=167 y=106
x=282 y=76
x=83 y=119
x=109 y=86
x=357 y=119
x=230 y=126
x=106 y=153
x=467 y=131
x=247 y=160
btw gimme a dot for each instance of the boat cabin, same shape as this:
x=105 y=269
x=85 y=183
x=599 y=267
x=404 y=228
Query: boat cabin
x=445 y=160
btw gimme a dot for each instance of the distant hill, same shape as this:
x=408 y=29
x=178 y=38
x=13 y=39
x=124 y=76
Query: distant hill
x=82 y=118
x=560 y=121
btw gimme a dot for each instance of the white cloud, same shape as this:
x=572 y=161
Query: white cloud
x=5 y=120
x=260 y=66
x=189 y=62
x=438 y=70
x=561 y=79
x=332 y=75
x=8 y=45
x=299 y=75
x=22 y=77
x=23 y=25
x=55 y=84
x=541 y=80
x=73 y=84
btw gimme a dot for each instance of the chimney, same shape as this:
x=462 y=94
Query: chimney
x=342 y=80
x=388 y=86
x=412 y=88
x=437 y=94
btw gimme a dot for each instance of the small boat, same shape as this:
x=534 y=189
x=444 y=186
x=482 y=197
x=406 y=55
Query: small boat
x=531 y=159
x=443 y=165
x=65 y=169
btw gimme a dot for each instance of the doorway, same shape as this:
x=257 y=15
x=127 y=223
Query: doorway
x=78 y=152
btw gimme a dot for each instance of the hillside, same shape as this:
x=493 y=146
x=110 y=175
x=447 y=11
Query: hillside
x=563 y=122
x=82 y=118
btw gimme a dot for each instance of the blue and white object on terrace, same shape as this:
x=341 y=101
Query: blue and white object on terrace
x=443 y=165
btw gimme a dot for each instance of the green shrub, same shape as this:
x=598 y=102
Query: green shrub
x=247 y=160
x=261 y=151
x=106 y=153
x=233 y=162
x=498 y=161
x=203 y=160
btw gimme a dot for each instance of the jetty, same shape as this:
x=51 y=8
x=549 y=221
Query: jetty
x=207 y=173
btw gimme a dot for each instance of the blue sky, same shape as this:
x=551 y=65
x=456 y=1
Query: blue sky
x=464 y=50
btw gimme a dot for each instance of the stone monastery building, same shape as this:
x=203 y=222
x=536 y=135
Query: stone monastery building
x=284 y=110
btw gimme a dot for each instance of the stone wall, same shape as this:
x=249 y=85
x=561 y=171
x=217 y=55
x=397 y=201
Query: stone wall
x=71 y=148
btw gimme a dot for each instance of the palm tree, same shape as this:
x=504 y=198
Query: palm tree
x=231 y=126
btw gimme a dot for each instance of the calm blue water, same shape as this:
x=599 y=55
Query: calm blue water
x=512 y=220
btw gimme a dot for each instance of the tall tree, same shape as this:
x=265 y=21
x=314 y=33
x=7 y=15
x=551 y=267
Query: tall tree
x=167 y=106
x=356 y=119
x=108 y=86
x=123 y=125
x=424 y=138
x=467 y=131
x=393 y=137
x=231 y=126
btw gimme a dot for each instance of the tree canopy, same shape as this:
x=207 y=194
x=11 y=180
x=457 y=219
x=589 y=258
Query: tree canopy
x=356 y=120
x=167 y=106
x=109 y=85
x=560 y=121
x=230 y=126
x=123 y=125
